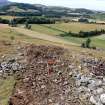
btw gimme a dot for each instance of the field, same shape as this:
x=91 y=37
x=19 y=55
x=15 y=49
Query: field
x=44 y=35
x=56 y=29
x=8 y=17
x=66 y=27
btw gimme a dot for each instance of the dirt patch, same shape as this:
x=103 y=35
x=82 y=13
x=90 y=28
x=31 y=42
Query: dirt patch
x=47 y=79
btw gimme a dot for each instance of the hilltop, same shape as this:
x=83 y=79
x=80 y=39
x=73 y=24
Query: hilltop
x=24 y=9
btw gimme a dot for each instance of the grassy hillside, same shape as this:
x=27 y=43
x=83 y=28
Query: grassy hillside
x=37 y=9
x=6 y=87
x=46 y=34
x=28 y=36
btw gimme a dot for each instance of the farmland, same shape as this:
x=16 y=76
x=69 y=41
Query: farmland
x=66 y=27
x=56 y=29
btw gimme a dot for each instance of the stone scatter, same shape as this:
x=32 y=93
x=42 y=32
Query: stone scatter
x=92 y=88
x=96 y=66
x=47 y=80
x=10 y=66
x=51 y=78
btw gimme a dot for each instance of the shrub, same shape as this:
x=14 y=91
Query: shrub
x=88 y=41
x=12 y=37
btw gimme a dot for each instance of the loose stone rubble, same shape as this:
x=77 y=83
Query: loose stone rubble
x=91 y=87
x=52 y=79
x=96 y=66
x=9 y=67
x=12 y=63
x=47 y=80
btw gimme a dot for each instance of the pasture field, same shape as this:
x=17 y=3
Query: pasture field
x=6 y=33
x=57 y=29
x=54 y=29
x=8 y=17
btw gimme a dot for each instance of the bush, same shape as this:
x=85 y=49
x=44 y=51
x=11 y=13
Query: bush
x=12 y=23
x=12 y=37
x=83 y=20
x=83 y=34
x=4 y=21
x=88 y=41
x=87 y=44
x=83 y=45
x=34 y=20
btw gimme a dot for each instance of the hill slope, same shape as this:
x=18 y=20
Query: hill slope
x=37 y=9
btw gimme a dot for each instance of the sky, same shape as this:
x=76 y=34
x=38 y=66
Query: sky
x=89 y=4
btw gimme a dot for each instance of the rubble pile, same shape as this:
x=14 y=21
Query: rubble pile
x=91 y=87
x=47 y=80
x=50 y=78
x=96 y=66
x=10 y=66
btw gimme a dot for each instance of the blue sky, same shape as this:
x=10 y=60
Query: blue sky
x=89 y=4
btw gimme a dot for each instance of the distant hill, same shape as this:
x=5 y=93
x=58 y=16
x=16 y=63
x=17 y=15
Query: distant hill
x=23 y=9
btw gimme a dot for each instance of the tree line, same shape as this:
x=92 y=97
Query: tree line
x=85 y=34
x=4 y=21
x=31 y=20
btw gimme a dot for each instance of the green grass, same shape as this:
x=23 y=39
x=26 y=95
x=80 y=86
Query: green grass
x=76 y=27
x=6 y=87
x=7 y=33
x=56 y=29
x=95 y=41
x=45 y=30
x=99 y=17
x=8 y=17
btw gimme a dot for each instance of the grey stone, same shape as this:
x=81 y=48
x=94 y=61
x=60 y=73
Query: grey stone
x=99 y=103
x=102 y=98
x=98 y=82
x=77 y=76
x=93 y=100
x=15 y=66
x=78 y=83
x=104 y=79
x=100 y=90
x=93 y=84
x=83 y=89
x=4 y=65
x=71 y=74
